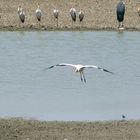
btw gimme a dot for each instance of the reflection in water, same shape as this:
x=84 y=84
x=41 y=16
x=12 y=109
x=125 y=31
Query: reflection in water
x=28 y=91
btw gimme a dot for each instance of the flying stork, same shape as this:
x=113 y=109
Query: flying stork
x=80 y=69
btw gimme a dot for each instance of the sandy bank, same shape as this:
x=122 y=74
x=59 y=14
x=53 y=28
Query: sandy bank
x=99 y=15
x=19 y=129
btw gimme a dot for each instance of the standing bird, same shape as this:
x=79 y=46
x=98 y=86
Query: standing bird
x=56 y=14
x=120 y=12
x=81 y=15
x=73 y=14
x=22 y=16
x=79 y=68
x=18 y=12
x=139 y=11
x=38 y=14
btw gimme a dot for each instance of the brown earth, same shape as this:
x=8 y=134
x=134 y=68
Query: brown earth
x=20 y=129
x=99 y=15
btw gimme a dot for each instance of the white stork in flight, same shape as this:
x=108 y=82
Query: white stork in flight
x=80 y=68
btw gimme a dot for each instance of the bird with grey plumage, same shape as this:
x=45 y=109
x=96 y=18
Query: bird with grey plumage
x=81 y=15
x=21 y=15
x=120 y=13
x=38 y=14
x=73 y=14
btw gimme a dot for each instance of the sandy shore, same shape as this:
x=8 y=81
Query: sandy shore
x=99 y=15
x=20 y=129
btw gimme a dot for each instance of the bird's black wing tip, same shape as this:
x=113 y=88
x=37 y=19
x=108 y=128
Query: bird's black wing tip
x=48 y=68
x=108 y=71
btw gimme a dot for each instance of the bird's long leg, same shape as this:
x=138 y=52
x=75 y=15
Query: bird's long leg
x=72 y=23
x=39 y=24
x=81 y=77
x=84 y=77
x=19 y=22
x=122 y=23
x=57 y=22
x=119 y=25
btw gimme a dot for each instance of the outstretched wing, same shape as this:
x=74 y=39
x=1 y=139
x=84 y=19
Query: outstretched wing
x=61 y=64
x=96 y=67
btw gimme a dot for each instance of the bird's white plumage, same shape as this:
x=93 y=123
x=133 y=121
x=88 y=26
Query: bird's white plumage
x=19 y=9
x=80 y=68
x=72 y=10
x=56 y=13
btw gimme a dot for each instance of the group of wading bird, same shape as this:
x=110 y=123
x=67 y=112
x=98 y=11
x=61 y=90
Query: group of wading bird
x=38 y=14
x=73 y=13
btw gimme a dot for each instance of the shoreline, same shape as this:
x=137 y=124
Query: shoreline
x=11 y=28
x=99 y=15
x=23 y=129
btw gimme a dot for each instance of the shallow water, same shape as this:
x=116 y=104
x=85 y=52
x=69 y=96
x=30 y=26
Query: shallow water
x=26 y=90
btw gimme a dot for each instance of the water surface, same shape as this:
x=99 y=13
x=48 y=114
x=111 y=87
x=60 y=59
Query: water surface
x=26 y=90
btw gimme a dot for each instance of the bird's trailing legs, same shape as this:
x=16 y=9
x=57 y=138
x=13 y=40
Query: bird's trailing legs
x=82 y=77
